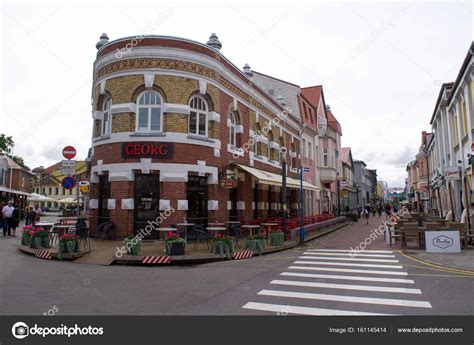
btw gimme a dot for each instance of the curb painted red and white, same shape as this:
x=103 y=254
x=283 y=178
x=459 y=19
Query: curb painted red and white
x=43 y=254
x=245 y=254
x=156 y=260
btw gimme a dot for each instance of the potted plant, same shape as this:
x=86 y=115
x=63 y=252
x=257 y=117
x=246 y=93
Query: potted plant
x=133 y=245
x=276 y=238
x=68 y=243
x=39 y=238
x=175 y=245
x=256 y=242
x=26 y=235
x=223 y=245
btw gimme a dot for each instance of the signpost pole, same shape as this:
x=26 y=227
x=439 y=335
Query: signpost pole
x=77 y=198
x=301 y=208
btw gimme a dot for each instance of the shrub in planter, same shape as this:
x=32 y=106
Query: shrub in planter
x=276 y=238
x=175 y=245
x=256 y=242
x=26 y=236
x=133 y=245
x=39 y=238
x=223 y=245
x=68 y=244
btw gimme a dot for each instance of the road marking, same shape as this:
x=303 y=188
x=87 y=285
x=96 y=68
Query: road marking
x=346 y=259
x=331 y=276
x=281 y=308
x=346 y=286
x=347 y=270
x=351 y=255
x=346 y=264
x=342 y=298
x=351 y=251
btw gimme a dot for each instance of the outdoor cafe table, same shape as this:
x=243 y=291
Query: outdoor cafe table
x=216 y=229
x=185 y=225
x=167 y=229
x=216 y=224
x=250 y=227
x=43 y=225
x=269 y=226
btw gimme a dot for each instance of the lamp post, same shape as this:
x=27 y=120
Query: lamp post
x=283 y=189
x=338 y=195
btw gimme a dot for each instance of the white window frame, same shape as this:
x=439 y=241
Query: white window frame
x=232 y=130
x=199 y=112
x=106 y=113
x=149 y=107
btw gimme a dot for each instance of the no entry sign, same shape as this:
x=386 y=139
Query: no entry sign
x=68 y=182
x=69 y=152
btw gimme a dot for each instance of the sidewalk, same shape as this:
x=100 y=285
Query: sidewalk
x=350 y=237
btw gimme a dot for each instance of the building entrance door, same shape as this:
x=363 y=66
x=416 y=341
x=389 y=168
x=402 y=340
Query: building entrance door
x=197 y=199
x=147 y=200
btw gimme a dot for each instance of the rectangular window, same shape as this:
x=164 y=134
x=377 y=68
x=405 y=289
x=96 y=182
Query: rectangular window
x=464 y=118
x=193 y=123
x=202 y=124
x=50 y=191
x=105 y=124
x=143 y=119
x=456 y=134
x=155 y=119
x=325 y=158
x=304 y=149
x=310 y=153
x=57 y=191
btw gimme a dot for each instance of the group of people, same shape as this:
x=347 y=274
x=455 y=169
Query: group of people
x=10 y=217
x=377 y=209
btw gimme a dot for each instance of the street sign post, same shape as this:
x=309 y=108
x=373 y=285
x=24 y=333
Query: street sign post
x=68 y=171
x=69 y=152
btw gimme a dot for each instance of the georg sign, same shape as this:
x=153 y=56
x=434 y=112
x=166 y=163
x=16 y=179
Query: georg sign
x=147 y=150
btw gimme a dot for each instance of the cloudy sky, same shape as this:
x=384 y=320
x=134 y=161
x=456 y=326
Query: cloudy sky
x=381 y=64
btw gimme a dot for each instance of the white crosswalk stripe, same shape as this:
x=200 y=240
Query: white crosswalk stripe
x=346 y=264
x=350 y=251
x=291 y=309
x=351 y=255
x=347 y=277
x=346 y=259
x=318 y=278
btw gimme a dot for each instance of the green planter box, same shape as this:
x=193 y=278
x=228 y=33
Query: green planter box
x=277 y=238
x=255 y=244
x=133 y=245
x=223 y=247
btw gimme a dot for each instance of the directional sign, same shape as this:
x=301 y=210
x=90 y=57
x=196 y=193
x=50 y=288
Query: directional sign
x=84 y=188
x=68 y=182
x=68 y=171
x=68 y=163
x=343 y=184
x=69 y=152
x=83 y=183
x=305 y=169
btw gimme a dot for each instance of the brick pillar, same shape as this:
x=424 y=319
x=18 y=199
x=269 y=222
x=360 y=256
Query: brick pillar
x=93 y=213
x=123 y=219
x=246 y=194
x=173 y=191
x=216 y=192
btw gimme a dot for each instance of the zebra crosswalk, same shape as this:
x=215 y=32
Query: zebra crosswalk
x=339 y=282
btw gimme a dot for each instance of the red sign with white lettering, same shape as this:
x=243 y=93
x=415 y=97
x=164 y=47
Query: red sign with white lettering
x=69 y=152
x=147 y=150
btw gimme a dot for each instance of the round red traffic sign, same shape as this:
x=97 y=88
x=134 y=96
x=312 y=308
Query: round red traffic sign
x=69 y=152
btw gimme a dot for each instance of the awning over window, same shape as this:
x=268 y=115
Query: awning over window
x=265 y=177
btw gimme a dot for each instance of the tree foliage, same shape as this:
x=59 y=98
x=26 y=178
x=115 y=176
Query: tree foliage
x=6 y=145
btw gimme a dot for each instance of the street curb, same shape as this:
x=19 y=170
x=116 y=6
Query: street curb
x=435 y=264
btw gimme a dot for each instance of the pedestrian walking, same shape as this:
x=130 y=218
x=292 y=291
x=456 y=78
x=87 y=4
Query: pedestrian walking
x=7 y=212
x=379 y=210
x=38 y=212
x=374 y=211
x=31 y=216
x=366 y=213
x=15 y=221
x=2 y=219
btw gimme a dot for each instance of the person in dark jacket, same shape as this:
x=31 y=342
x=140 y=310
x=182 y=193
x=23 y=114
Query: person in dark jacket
x=31 y=216
x=15 y=221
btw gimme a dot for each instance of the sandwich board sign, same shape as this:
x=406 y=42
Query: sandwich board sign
x=442 y=242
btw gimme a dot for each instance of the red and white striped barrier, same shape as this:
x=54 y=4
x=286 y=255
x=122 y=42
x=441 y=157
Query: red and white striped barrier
x=156 y=260
x=43 y=254
x=245 y=254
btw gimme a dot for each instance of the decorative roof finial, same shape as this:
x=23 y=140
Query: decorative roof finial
x=214 y=42
x=247 y=70
x=104 y=39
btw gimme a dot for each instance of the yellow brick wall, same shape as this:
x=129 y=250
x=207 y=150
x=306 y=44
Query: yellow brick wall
x=177 y=89
x=122 y=89
x=97 y=128
x=213 y=93
x=175 y=123
x=123 y=122
x=214 y=130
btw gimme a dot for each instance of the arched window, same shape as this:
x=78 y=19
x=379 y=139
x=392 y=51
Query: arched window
x=232 y=131
x=149 y=117
x=106 y=117
x=256 y=132
x=198 y=116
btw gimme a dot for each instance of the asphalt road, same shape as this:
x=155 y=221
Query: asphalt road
x=314 y=285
